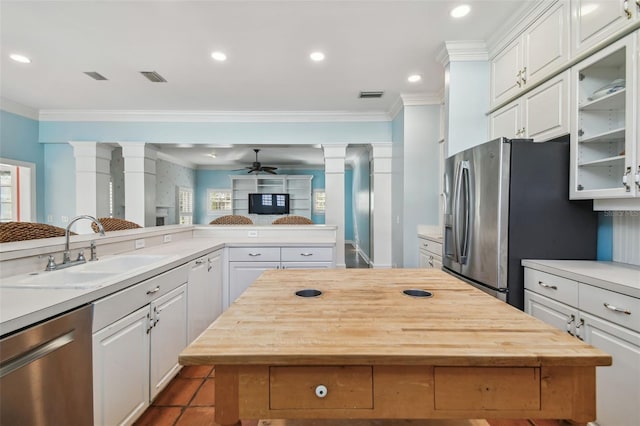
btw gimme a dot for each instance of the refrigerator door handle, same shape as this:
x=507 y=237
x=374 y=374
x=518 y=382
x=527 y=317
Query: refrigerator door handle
x=464 y=244
x=457 y=194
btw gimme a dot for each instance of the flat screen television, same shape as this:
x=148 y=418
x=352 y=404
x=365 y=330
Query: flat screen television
x=268 y=203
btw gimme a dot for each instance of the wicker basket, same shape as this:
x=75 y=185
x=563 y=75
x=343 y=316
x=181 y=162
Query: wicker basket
x=21 y=231
x=293 y=220
x=114 y=224
x=231 y=219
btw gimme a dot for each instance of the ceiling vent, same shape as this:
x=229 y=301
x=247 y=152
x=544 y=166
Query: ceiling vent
x=153 y=76
x=96 y=75
x=370 y=95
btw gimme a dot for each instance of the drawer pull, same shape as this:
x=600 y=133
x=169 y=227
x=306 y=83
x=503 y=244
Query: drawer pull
x=616 y=309
x=321 y=391
x=199 y=261
x=306 y=254
x=545 y=285
x=155 y=290
x=254 y=254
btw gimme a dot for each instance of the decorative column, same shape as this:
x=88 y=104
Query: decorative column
x=381 y=156
x=92 y=181
x=139 y=182
x=334 y=156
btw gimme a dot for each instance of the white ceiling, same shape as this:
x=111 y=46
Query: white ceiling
x=369 y=45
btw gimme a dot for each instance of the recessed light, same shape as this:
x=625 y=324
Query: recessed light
x=219 y=56
x=460 y=11
x=414 y=78
x=20 y=58
x=317 y=56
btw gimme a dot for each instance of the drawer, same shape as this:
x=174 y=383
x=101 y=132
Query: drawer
x=610 y=306
x=254 y=254
x=487 y=388
x=111 y=308
x=430 y=246
x=302 y=388
x=307 y=254
x=553 y=286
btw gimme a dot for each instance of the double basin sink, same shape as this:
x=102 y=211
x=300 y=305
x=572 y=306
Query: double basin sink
x=87 y=275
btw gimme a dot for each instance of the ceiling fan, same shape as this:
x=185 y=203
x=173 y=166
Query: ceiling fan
x=257 y=167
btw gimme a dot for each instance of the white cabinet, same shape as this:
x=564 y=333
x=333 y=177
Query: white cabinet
x=604 y=319
x=597 y=21
x=604 y=139
x=541 y=50
x=121 y=370
x=540 y=114
x=297 y=186
x=429 y=253
x=246 y=264
x=168 y=338
x=204 y=293
x=138 y=334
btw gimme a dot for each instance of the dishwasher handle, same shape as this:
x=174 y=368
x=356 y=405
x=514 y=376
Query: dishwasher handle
x=35 y=354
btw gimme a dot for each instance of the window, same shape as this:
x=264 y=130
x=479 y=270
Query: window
x=219 y=201
x=185 y=206
x=319 y=199
x=7 y=204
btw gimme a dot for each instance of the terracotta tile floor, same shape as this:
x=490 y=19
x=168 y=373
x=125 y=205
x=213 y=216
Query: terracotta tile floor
x=189 y=401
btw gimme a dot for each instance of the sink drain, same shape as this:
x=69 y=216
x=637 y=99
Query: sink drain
x=417 y=293
x=308 y=292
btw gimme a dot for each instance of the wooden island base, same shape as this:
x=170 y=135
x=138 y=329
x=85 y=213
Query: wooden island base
x=364 y=349
x=404 y=392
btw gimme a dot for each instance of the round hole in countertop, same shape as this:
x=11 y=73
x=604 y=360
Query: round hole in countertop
x=308 y=292
x=414 y=292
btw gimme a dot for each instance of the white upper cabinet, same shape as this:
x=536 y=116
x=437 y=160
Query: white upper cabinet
x=596 y=21
x=540 y=114
x=537 y=53
x=604 y=137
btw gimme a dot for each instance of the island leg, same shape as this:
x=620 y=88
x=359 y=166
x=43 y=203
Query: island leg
x=227 y=403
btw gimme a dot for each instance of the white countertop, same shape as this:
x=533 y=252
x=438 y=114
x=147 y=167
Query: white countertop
x=430 y=232
x=618 y=277
x=22 y=307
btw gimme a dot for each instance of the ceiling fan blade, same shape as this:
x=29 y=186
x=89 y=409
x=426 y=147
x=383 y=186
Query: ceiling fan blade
x=269 y=171
x=268 y=168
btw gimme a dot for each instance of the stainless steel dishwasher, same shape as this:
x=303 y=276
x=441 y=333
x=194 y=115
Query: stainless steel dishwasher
x=46 y=372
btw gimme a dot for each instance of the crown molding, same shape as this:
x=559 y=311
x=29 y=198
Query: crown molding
x=19 y=109
x=418 y=99
x=463 y=51
x=211 y=116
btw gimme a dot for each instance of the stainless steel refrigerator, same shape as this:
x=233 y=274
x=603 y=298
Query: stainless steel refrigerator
x=508 y=200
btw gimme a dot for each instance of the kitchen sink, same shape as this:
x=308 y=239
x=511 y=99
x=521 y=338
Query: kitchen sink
x=87 y=275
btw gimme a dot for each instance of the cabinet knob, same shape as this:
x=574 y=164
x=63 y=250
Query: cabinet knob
x=321 y=391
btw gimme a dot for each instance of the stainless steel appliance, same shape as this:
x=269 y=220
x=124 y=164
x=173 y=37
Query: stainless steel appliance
x=46 y=373
x=507 y=200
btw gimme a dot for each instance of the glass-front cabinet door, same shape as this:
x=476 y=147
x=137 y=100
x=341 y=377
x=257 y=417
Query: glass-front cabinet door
x=603 y=128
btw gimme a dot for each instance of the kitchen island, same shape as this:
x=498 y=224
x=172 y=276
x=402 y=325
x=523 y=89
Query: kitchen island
x=365 y=349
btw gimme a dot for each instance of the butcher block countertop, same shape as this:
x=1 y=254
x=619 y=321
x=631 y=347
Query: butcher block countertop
x=363 y=317
x=365 y=350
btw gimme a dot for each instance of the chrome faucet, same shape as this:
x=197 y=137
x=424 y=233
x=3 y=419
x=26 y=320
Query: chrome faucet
x=66 y=257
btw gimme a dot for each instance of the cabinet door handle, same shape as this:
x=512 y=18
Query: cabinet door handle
x=524 y=75
x=638 y=173
x=616 y=309
x=578 y=327
x=569 y=323
x=625 y=179
x=519 y=78
x=155 y=290
x=545 y=285
x=254 y=254
x=638 y=5
x=306 y=254
x=626 y=9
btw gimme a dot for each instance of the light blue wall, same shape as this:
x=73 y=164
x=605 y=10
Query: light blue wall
x=468 y=104
x=605 y=237
x=360 y=210
x=59 y=183
x=421 y=174
x=397 y=193
x=221 y=133
x=19 y=141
